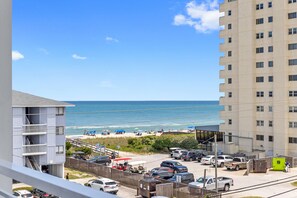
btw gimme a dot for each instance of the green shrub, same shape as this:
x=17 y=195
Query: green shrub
x=68 y=145
x=86 y=150
x=189 y=143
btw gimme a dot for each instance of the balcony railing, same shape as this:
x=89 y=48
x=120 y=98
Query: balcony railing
x=34 y=149
x=34 y=129
x=47 y=183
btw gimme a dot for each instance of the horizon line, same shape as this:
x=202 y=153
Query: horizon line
x=140 y=100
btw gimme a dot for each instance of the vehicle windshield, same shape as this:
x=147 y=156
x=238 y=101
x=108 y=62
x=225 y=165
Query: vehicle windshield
x=176 y=152
x=110 y=183
x=220 y=157
x=177 y=164
x=208 y=156
x=236 y=159
x=27 y=195
x=200 y=180
x=184 y=152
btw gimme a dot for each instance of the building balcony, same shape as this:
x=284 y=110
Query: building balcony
x=222 y=20
x=34 y=149
x=223 y=114
x=222 y=87
x=223 y=7
x=222 y=100
x=223 y=33
x=223 y=47
x=222 y=74
x=223 y=60
x=34 y=129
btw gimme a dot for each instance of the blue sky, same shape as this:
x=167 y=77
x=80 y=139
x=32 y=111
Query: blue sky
x=116 y=49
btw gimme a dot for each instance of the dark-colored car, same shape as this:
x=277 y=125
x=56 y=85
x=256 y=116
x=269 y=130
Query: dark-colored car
x=200 y=156
x=158 y=169
x=162 y=175
x=176 y=166
x=189 y=156
x=41 y=194
x=100 y=160
x=185 y=178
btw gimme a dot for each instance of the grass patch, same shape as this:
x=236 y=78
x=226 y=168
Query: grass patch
x=146 y=144
x=24 y=188
x=74 y=174
x=294 y=183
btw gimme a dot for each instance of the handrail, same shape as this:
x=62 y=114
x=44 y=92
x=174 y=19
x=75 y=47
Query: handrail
x=48 y=183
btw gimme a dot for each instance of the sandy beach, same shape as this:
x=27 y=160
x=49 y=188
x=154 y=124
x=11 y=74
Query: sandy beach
x=112 y=135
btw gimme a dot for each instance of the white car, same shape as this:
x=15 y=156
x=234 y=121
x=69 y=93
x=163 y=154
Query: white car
x=221 y=160
x=22 y=194
x=207 y=159
x=178 y=153
x=104 y=184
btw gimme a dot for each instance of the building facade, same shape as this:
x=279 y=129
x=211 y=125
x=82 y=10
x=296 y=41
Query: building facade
x=260 y=73
x=39 y=133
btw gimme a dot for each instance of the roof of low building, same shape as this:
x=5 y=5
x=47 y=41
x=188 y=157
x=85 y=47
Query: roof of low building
x=20 y=99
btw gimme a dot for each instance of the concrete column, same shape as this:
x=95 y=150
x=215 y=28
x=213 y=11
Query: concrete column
x=5 y=88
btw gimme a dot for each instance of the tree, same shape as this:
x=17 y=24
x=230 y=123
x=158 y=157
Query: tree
x=189 y=143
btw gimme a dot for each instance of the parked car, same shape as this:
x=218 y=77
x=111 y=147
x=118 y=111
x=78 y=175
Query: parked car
x=167 y=169
x=100 y=160
x=41 y=193
x=189 y=156
x=22 y=194
x=162 y=175
x=200 y=156
x=185 y=178
x=176 y=166
x=104 y=184
x=207 y=159
x=172 y=149
x=224 y=183
x=237 y=163
x=221 y=160
x=178 y=153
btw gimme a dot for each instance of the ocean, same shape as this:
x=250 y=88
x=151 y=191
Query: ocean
x=139 y=115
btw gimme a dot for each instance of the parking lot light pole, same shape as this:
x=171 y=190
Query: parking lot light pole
x=216 y=161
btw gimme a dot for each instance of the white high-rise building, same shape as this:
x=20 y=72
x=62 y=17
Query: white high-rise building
x=260 y=73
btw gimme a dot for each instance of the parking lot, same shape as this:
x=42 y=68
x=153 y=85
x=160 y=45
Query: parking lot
x=272 y=183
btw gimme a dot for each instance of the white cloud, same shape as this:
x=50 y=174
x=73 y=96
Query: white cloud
x=17 y=55
x=105 y=84
x=204 y=17
x=75 y=56
x=110 y=39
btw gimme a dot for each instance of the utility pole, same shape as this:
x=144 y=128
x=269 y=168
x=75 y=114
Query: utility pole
x=216 y=161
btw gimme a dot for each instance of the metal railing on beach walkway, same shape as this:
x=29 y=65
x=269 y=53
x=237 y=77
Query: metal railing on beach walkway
x=105 y=151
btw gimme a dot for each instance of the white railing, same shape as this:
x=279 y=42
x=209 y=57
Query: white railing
x=47 y=183
x=34 y=128
x=34 y=149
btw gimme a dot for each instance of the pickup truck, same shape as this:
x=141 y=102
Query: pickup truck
x=224 y=183
x=222 y=159
x=237 y=163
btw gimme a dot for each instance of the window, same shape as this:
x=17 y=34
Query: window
x=270 y=123
x=230 y=94
x=259 y=6
x=230 y=121
x=292 y=46
x=292 y=140
x=292 y=93
x=229 y=53
x=270 y=138
x=292 y=62
x=60 y=149
x=259 y=21
x=292 y=77
x=259 y=64
x=260 y=122
x=230 y=137
x=292 y=1
x=260 y=94
x=270 y=93
x=270 y=78
x=270 y=48
x=270 y=63
x=259 y=79
x=60 y=130
x=259 y=50
x=260 y=35
x=229 y=12
x=270 y=108
x=292 y=124
x=60 y=111
x=292 y=15
x=270 y=4
x=260 y=137
x=292 y=109
x=229 y=80
x=229 y=40
x=260 y=108
x=292 y=31
x=229 y=67
x=229 y=107
x=270 y=34
x=229 y=26
x=270 y=19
